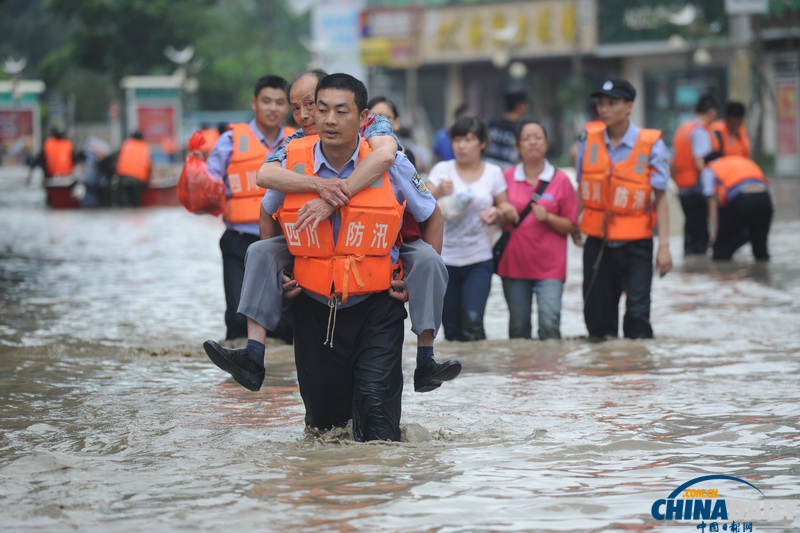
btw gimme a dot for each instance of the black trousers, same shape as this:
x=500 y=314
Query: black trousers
x=747 y=217
x=129 y=192
x=360 y=377
x=626 y=268
x=234 y=245
x=695 y=227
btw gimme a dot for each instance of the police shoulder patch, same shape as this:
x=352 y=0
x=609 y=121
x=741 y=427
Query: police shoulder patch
x=416 y=179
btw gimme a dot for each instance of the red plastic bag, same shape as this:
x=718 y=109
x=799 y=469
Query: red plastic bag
x=198 y=191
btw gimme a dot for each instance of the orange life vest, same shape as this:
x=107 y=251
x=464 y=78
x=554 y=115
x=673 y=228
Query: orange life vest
x=685 y=171
x=359 y=261
x=134 y=159
x=248 y=155
x=732 y=170
x=58 y=157
x=738 y=144
x=617 y=196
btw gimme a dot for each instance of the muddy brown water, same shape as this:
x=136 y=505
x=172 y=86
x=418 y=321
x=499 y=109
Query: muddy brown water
x=114 y=420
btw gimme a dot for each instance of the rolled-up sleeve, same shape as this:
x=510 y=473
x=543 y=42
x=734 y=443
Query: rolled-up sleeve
x=273 y=200
x=381 y=126
x=659 y=166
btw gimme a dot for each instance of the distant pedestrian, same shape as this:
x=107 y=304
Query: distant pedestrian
x=692 y=147
x=739 y=206
x=501 y=148
x=134 y=167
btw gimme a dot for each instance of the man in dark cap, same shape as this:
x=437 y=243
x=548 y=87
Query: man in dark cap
x=623 y=171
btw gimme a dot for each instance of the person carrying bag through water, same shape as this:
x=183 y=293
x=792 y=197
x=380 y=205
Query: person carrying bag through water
x=535 y=257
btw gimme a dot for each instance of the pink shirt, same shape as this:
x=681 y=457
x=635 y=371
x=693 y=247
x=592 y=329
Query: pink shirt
x=535 y=250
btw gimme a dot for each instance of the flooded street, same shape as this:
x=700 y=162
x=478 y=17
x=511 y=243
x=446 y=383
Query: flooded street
x=113 y=419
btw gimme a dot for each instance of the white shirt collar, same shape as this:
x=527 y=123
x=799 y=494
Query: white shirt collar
x=547 y=172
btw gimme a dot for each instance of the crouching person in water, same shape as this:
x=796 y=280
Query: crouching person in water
x=267 y=260
x=348 y=329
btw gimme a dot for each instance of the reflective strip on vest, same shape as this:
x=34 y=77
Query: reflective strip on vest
x=242 y=207
x=617 y=196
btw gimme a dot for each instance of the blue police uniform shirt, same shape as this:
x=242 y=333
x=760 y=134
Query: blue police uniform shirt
x=709 y=181
x=376 y=126
x=406 y=184
x=701 y=147
x=659 y=158
x=220 y=157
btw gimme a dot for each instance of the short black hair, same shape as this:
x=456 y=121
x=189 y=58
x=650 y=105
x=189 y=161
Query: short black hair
x=345 y=82
x=525 y=123
x=466 y=125
x=271 y=81
x=137 y=135
x=515 y=98
x=461 y=110
x=316 y=72
x=734 y=110
x=383 y=100
x=705 y=103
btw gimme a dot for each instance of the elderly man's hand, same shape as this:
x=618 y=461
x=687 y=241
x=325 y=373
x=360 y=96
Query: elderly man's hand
x=334 y=191
x=290 y=287
x=313 y=212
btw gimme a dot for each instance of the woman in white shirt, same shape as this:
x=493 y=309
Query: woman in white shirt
x=472 y=195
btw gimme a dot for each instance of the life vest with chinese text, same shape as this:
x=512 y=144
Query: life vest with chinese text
x=617 y=196
x=358 y=261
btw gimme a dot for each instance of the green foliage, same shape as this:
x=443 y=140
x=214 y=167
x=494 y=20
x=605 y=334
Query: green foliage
x=87 y=46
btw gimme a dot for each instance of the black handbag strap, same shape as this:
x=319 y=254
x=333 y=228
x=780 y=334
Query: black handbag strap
x=535 y=197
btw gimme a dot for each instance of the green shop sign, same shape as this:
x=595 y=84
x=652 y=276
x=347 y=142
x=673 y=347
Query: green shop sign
x=633 y=21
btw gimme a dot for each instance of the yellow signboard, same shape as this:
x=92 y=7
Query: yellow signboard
x=525 y=29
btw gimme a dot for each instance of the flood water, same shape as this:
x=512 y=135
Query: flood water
x=114 y=420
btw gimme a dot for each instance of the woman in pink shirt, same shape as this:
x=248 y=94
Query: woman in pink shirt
x=535 y=259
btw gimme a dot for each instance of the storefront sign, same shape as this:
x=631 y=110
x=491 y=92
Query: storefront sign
x=527 y=29
x=634 y=21
x=787 y=107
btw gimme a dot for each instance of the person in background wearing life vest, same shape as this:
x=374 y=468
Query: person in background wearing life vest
x=620 y=168
x=730 y=131
x=134 y=166
x=235 y=159
x=267 y=261
x=57 y=158
x=739 y=206
x=348 y=328
x=692 y=148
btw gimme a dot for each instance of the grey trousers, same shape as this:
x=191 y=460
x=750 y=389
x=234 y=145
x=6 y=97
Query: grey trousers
x=266 y=260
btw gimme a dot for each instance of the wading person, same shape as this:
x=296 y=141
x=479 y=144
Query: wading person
x=134 y=166
x=267 y=260
x=474 y=195
x=693 y=147
x=348 y=329
x=623 y=171
x=535 y=258
x=739 y=205
x=236 y=157
x=730 y=131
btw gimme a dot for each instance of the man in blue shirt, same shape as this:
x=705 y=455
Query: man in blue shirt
x=612 y=266
x=236 y=151
x=348 y=354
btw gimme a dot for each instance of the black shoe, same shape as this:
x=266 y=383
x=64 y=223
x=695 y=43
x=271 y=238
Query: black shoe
x=237 y=363
x=430 y=375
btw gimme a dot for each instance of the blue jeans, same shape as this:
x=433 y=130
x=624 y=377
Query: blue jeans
x=465 y=301
x=519 y=296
